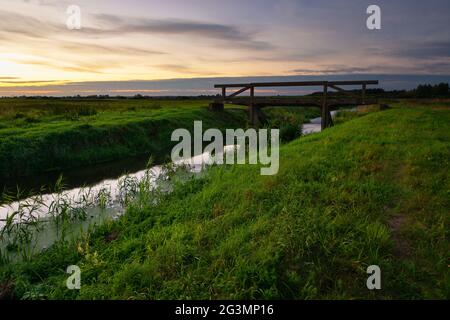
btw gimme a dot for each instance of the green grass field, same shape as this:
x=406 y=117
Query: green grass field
x=39 y=135
x=373 y=190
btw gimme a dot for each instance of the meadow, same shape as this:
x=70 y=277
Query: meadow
x=52 y=135
x=373 y=190
x=45 y=135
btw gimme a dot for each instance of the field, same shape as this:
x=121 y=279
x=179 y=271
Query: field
x=373 y=190
x=42 y=135
x=58 y=135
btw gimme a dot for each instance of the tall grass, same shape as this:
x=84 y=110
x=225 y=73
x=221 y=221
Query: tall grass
x=22 y=226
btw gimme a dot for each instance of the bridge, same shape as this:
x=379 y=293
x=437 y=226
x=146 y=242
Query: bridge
x=326 y=101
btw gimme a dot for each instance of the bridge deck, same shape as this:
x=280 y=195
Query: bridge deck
x=262 y=102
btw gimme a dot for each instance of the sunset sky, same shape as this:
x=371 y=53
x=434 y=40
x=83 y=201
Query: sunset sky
x=155 y=39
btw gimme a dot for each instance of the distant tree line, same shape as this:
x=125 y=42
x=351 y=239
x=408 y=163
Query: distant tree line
x=106 y=97
x=440 y=90
x=428 y=91
x=422 y=91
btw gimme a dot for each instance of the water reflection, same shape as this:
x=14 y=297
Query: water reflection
x=95 y=204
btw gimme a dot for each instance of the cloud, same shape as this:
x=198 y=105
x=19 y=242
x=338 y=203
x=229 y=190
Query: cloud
x=77 y=67
x=442 y=68
x=13 y=24
x=424 y=50
x=419 y=67
x=115 y=25
x=50 y=3
x=183 y=69
x=176 y=68
x=334 y=69
x=107 y=49
x=31 y=82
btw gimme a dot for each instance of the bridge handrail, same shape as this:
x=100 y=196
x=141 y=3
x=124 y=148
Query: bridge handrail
x=297 y=84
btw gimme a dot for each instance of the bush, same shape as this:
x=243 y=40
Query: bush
x=19 y=115
x=86 y=111
x=289 y=122
x=289 y=132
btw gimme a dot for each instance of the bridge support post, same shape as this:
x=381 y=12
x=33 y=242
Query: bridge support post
x=216 y=106
x=253 y=109
x=363 y=93
x=330 y=119
x=325 y=110
x=327 y=120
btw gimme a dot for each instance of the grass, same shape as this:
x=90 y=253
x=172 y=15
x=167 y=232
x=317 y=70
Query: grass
x=44 y=135
x=373 y=190
x=41 y=135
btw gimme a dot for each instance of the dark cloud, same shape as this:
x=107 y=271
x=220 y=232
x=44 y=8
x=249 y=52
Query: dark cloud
x=103 y=25
x=115 y=25
x=334 y=69
x=432 y=57
x=424 y=50
x=434 y=67
x=419 y=67
x=104 y=49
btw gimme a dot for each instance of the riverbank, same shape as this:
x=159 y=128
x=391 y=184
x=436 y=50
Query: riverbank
x=42 y=138
x=53 y=135
x=371 y=191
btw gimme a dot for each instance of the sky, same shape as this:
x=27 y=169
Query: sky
x=135 y=46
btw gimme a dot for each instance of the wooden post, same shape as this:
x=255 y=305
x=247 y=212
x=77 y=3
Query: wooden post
x=325 y=111
x=216 y=106
x=364 y=93
x=252 y=106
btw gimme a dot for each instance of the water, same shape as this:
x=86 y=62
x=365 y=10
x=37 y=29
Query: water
x=108 y=186
x=99 y=201
x=73 y=178
x=314 y=125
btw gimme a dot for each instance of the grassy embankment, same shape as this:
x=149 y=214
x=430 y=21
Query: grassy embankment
x=39 y=135
x=373 y=190
x=42 y=135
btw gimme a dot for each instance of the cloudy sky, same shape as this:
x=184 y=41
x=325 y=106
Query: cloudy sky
x=142 y=40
